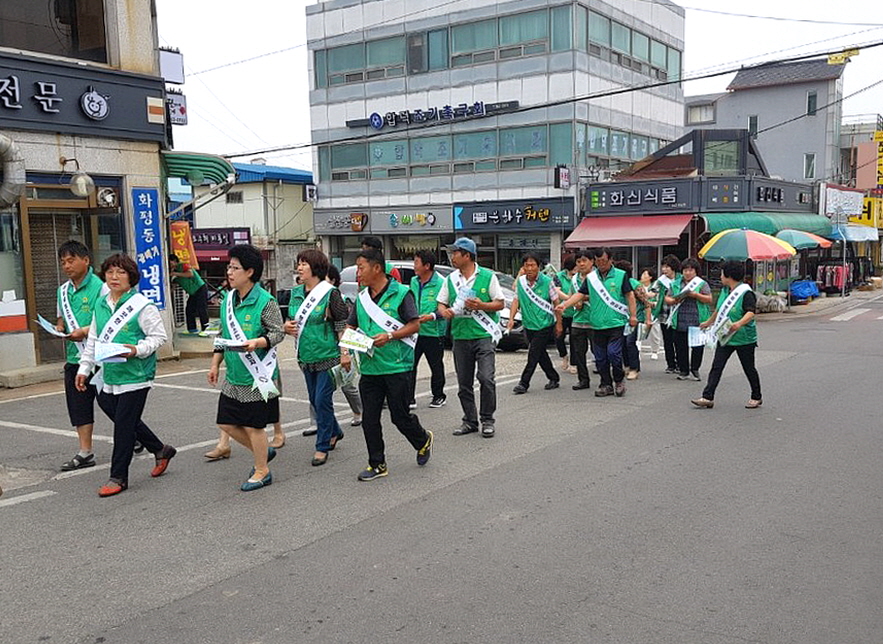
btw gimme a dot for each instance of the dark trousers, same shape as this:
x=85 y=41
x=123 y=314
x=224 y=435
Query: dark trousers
x=688 y=358
x=393 y=388
x=580 y=342
x=537 y=341
x=560 y=341
x=320 y=388
x=746 y=357
x=469 y=354
x=668 y=345
x=434 y=350
x=632 y=353
x=607 y=347
x=125 y=411
x=197 y=306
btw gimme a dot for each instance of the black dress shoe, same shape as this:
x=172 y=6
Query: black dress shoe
x=552 y=384
x=581 y=385
x=464 y=429
x=519 y=389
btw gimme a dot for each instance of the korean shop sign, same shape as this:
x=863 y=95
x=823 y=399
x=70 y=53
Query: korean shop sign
x=49 y=96
x=517 y=215
x=148 y=244
x=432 y=115
x=412 y=221
x=636 y=197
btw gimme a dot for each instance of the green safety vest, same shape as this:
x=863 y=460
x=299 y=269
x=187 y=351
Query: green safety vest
x=134 y=370
x=582 y=315
x=463 y=327
x=248 y=314
x=602 y=316
x=316 y=340
x=532 y=316
x=189 y=284
x=427 y=302
x=567 y=289
x=704 y=309
x=83 y=300
x=748 y=333
x=395 y=356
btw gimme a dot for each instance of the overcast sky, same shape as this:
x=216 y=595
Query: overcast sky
x=264 y=102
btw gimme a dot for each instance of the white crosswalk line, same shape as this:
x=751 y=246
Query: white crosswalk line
x=846 y=317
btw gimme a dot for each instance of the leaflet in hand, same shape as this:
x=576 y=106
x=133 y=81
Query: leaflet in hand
x=465 y=293
x=49 y=328
x=355 y=340
x=229 y=345
x=111 y=352
x=697 y=337
x=725 y=332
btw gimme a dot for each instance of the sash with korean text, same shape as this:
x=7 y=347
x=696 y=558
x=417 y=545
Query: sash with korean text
x=544 y=305
x=605 y=295
x=723 y=313
x=484 y=320
x=67 y=312
x=383 y=319
x=694 y=284
x=303 y=313
x=261 y=370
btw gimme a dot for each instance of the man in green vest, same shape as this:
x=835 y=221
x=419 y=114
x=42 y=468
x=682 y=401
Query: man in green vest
x=564 y=282
x=736 y=303
x=369 y=243
x=536 y=297
x=385 y=311
x=425 y=286
x=197 y=293
x=580 y=329
x=613 y=306
x=77 y=299
x=471 y=297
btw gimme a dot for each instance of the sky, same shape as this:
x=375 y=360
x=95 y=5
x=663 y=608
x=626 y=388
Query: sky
x=263 y=103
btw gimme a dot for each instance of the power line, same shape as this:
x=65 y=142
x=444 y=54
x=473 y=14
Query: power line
x=548 y=104
x=784 y=19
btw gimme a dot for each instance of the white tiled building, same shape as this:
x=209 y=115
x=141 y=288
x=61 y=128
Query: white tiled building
x=508 y=71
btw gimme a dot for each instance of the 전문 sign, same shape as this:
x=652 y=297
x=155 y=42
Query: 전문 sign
x=148 y=254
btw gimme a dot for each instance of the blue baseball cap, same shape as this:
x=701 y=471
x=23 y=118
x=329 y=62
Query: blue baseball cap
x=464 y=243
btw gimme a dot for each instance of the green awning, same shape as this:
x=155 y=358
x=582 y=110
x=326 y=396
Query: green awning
x=198 y=168
x=767 y=222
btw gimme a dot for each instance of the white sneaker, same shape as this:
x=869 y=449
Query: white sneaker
x=654 y=356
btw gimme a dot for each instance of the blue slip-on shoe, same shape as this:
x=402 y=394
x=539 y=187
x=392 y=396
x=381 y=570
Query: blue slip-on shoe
x=250 y=485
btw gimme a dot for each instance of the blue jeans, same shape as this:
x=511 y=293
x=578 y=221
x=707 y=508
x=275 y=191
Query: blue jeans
x=607 y=346
x=632 y=353
x=321 y=392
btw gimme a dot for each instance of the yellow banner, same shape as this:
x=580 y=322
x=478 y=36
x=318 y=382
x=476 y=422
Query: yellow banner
x=182 y=244
x=872 y=213
x=878 y=135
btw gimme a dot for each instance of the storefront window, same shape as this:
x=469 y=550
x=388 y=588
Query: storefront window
x=74 y=29
x=646 y=257
x=11 y=262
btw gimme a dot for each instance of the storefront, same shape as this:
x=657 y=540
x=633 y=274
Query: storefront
x=505 y=230
x=85 y=144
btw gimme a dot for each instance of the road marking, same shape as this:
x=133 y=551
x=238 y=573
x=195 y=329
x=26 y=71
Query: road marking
x=24 y=498
x=31 y=397
x=68 y=433
x=880 y=318
x=846 y=317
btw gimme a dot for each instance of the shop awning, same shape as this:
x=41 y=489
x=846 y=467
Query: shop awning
x=657 y=230
x=198 y=168
x=211 y=255
x=854 y=233
x=767 y=222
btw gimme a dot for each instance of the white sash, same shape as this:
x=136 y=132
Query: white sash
x=121 y=316
x=383 y=319
x=605 y=295
x=303 y=313
x=261 y=370
x=693 y=285
x=544 y=305
x=67 y=312
x=575 y=281
x=723 y=313
x=484 y=320
x=665 y=281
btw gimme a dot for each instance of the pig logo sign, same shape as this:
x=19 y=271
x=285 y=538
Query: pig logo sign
x=95 y=105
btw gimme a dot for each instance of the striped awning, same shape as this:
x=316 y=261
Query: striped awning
x=199 y=168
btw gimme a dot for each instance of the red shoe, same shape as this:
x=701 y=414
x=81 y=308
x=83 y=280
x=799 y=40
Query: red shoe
x=163 y=457
x=112 y=487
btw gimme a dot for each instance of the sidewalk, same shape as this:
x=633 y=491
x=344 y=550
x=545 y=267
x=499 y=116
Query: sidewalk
x=823 y=305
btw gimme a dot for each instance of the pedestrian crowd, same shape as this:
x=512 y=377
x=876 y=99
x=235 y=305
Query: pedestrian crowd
x=371 y=349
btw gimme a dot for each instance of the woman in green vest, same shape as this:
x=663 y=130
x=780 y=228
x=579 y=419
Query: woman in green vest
x=564 y=282
x=128 y=322
x=318 y=319
x=251 y=323
x=739 y=304
x=690 y=307
x=668 y=281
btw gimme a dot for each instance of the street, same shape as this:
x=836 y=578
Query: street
x=632 y=520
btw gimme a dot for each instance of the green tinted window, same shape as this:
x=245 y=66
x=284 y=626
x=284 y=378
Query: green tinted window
x=388 y=153
x=324 y=163
x=561 y=143
x=523 y=140
x=349 y=156
x=475 y=145
x=621 y=38
x=640 y=46
x=431 y=148
x=619 y=144
x=438 y=49
x=582 y=27
x=674 y=64
x=342 y=59
x=599 y=29
x=524 y=27
x=657 y=54
x=598 y=140
x=321 y=69
x=562 y=28
x=474 y=36
x=390 y=51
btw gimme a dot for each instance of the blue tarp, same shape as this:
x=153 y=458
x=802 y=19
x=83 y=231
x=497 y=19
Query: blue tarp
x=804 y=289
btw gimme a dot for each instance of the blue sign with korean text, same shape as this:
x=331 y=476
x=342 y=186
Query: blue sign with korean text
x=148 y=253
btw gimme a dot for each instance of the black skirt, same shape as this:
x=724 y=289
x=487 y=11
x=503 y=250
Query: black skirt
x=247 y=414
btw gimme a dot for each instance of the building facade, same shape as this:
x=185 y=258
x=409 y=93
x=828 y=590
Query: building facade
x=430 y=121
x=80 y=94
x=793 y=111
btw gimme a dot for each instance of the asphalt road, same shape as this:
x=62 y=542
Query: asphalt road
x=635 y=520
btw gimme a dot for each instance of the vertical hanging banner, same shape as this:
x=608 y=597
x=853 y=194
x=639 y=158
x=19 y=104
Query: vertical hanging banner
x=147 y=244
x=182 y=244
